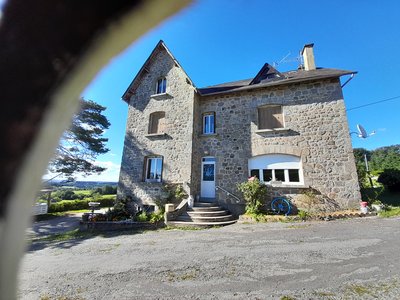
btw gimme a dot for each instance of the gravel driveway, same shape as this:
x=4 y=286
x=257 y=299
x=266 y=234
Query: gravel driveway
x=346 y=259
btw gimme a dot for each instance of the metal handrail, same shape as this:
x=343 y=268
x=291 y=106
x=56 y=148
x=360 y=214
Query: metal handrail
x=228 y=193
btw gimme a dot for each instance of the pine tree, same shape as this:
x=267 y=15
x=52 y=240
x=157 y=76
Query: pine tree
x=82 y=142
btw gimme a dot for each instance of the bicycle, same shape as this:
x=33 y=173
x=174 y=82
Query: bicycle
x=280 y=205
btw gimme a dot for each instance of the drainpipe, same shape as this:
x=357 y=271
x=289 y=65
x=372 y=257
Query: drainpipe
x=348 y=80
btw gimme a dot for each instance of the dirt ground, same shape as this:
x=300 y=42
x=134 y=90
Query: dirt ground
x=343 y=259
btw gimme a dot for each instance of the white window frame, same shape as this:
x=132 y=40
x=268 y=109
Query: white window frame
x=209 y=126
x=158 y=160
x=161 y=86
x=275 y=162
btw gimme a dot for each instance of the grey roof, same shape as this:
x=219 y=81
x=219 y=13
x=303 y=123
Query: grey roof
x=287 y=78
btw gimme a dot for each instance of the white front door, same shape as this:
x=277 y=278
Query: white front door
x=208 y=177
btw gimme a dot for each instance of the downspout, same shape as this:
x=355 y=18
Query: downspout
x=348 y=80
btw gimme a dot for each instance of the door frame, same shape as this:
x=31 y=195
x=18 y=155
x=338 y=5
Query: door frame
x=207 y=188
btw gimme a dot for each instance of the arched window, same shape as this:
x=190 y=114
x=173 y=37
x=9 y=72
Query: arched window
x=282 y=168
x=161 y=86
x=157 y=122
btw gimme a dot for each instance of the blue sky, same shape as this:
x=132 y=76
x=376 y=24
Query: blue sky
x=220 y=41
x=226 y=40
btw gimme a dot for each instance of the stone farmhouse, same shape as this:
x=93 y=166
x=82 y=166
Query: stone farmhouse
x=289 y=129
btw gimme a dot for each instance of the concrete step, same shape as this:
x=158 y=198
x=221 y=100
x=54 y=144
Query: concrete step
x=205 y=208
x=200 y=224
x=207 y=213
x=205 y=204
x=188 y=218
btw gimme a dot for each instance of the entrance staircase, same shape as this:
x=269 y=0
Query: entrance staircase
x=204 y=214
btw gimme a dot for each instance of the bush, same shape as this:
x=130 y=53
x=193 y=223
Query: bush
x=390 y=178
x=66 y=205
x=254 y=192
x=142 y=217
x=106 y=190
x=156 y=217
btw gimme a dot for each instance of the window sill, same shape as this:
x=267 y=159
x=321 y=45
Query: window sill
x=287 y=185
x=161 y=96
x=150 y=135
x=149 y=181
x=208 y=134
x=272 y=130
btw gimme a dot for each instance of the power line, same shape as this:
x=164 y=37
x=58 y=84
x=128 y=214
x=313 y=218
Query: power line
x=373 y=103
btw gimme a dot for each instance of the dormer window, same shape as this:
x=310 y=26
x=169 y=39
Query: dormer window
x=161 y=87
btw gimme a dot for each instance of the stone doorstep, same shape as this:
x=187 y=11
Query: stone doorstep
x=199 y=224
x=187 y=218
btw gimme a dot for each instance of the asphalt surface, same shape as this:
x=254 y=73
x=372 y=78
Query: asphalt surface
x=342 y=259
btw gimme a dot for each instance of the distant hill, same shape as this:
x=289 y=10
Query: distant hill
x=80 y=184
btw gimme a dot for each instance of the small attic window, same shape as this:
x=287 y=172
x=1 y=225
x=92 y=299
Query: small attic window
x=161 y=87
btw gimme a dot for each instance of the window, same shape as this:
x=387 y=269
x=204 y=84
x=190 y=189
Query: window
x=161 y=86
x=209 y=123
x=153 y=169
x=157 y=122
x=270 y=117
x=277 y=167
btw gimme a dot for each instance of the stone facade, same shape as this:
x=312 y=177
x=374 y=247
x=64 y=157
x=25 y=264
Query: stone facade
x=315 y=130
x=175 y=146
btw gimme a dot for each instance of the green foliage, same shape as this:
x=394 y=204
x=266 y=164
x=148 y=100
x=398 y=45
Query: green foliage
x=66 y=205
x=378 y=159
x=254 y=193
x=385 y=158
x=303 y=215
x=142 y=217
x=82 y=142
x=156 y=217
x=360 y=165
x=390 y=212
x=120 y=211
x=173 y=193
x=107 y=190
x=390 y=178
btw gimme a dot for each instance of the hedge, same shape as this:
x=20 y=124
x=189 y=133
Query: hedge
x=65 y=205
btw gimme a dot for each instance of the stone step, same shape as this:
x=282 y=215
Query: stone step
x=205 y=208
x=205 y=204
x=198 y=219
x=200 y=224
x=207 y=213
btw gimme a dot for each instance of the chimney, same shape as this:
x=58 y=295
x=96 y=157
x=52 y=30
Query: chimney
x=308 y=57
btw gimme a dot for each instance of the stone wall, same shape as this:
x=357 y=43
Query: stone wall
x=175 y=146
x=317 y=131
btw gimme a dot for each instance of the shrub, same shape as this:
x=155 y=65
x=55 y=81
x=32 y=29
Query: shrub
x=66 y=205
x=142 y=217
x=254 y=192
x=390 y=178
x=120 y=210
x=156 y=217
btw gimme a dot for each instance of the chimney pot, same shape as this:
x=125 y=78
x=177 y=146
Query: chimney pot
x=308 y=57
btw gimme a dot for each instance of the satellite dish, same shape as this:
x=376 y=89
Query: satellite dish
x=362 y=133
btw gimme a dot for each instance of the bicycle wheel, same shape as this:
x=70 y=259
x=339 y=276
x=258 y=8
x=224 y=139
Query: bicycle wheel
x=280 y=206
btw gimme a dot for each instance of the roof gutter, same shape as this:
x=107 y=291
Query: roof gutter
x=348 y=80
